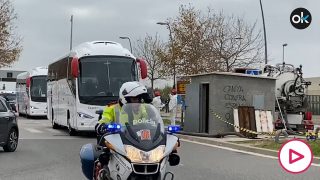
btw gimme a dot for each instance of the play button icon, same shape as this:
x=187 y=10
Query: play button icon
x=295 y=156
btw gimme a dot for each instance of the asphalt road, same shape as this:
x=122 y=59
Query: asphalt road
x=45 y=154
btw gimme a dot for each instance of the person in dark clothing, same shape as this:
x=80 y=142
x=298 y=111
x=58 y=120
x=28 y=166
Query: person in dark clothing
x=167 y=105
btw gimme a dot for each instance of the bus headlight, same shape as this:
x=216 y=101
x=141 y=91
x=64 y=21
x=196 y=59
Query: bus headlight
x=32 y=107
x=139 y=156
x=83 y=115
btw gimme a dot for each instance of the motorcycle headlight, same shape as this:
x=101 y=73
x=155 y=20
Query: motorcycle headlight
x=139 y=156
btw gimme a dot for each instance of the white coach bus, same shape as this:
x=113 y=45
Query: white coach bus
x=31 y=92
x=86 y=80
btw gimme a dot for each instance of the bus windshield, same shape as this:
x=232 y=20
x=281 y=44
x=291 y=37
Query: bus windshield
x=102 y=76
x=38 y=88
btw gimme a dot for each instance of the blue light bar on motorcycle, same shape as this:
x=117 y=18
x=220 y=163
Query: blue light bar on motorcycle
x=173 y=129
x=114 y=127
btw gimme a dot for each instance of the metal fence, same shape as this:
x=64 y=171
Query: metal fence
x=314 y=104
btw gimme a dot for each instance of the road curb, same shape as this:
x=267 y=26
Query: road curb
x=218 y=142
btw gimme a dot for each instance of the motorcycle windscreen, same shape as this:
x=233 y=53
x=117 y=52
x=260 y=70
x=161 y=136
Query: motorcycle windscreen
x=143 y=126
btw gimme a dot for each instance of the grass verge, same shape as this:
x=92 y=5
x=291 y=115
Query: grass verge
x=168 y=122
x=270 y=144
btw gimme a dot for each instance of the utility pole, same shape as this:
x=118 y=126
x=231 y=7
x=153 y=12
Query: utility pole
x=265 y=36
x=71 y=20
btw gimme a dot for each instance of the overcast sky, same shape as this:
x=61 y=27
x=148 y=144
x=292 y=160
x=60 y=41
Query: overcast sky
x=45 y=26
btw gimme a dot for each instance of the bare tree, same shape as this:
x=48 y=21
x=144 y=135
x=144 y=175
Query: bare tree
x=209 y=42
x=10 y=42
x=150 y=48
x=189 y=30
x=234 y=42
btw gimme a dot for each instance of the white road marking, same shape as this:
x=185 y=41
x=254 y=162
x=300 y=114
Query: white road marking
x=33 y=130
x=180 y=165
x=50 y=138
x=236 y=150
x=52 y=130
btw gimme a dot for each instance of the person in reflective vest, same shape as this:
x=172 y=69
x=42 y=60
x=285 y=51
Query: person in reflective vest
x=130 y=92
x=115 y=114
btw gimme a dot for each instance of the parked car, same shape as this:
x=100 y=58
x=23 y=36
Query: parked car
x=9 y=131
x=11 y=98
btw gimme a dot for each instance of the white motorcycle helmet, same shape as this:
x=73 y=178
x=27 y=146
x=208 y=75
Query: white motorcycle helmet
x=131 y=89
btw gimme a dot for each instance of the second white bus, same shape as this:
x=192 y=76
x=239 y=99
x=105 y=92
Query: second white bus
x=31 y=92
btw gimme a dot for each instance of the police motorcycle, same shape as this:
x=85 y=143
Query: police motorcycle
x=138 y=149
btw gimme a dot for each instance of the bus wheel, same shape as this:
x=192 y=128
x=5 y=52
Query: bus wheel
x=72 y=132
x=18 y=111
x=54 y=125
x=27 y=115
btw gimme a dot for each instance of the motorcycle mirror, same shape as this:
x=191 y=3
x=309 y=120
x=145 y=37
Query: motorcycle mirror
x=99 y=112
x=174 y=159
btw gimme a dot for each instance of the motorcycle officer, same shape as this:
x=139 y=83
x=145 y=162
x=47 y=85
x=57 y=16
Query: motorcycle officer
x=130 y=92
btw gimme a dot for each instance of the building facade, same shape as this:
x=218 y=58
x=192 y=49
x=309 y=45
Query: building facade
x=8 y=79
x=220 y=93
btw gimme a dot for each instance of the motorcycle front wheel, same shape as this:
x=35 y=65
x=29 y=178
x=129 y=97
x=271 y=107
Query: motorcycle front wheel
x=145 y=177
x=104 y=174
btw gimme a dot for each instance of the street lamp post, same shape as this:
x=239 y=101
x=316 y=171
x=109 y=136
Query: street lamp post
x=283 y=45
x=283 y=63
x=174 y=62
x=265 y=35
x=123 y=37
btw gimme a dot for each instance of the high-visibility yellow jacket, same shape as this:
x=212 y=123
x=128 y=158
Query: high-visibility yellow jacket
x=114 y=114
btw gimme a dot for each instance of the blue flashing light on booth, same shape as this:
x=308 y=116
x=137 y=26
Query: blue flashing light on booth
x=253 y=71
x=114 y=127
x=179 y=99
x=173 y=129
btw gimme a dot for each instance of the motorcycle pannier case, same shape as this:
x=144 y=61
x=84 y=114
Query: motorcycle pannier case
x=88 y=154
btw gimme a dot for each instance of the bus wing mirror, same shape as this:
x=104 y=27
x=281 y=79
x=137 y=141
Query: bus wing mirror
x=143 y=68
x=75 y=67
x=28 y=81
